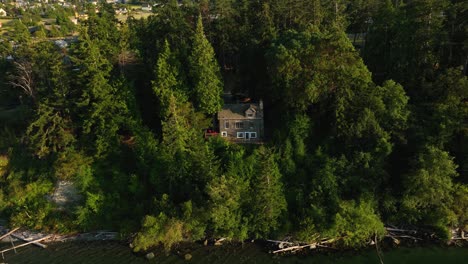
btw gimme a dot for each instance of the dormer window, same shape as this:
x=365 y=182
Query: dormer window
x=250 y=113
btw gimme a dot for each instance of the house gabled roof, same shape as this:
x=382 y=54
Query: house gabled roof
x=237 y=111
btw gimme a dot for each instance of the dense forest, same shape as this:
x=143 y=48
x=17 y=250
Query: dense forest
x=366 y=121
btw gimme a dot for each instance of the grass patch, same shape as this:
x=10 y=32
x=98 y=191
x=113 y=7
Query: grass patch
x=6 y=25
x=136 y=15
x=5 y=21
x=3 y=164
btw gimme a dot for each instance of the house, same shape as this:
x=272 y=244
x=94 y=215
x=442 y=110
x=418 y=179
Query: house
x=3 y=13
x=122 y=10
x=146 y=7
x=241 y=122
x=74 y=20
x=61 y=43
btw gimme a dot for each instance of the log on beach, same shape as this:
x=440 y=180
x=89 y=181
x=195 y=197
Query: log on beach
x=25 y=244
x=9 y=233
x=294 y=248
x=27 y=240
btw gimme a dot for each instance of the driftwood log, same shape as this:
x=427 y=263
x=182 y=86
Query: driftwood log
x=293 y=247
x=28 y=240
x=9 y=233
x=25 y=244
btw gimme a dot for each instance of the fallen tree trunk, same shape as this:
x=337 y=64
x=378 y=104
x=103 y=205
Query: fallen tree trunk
x=404 y=236
x=294 y=248
x=389 y=229
x=25 y=244
x=9 y=233
x=26 y=240
x=280 y=242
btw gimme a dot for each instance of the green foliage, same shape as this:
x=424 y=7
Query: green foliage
x=160 y=229
x=460 y=205
x=268 y=201
x=429 y=188
x=121 y=115
x=102 y=29
x=66 y=25
x=102 y=108
x=356 y=222
x=166 y=82
x=227 y=196
x=449 y=93
x=409 y=55
x=86 y=214
x=393 y=111
x=204 y=71
x=21 y=32
x=49 y=133
x=29 y=204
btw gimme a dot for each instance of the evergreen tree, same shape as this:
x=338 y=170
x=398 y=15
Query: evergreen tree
x=226 y=206
x=167 y=82
x=102 y=29
x=21 y=32
x=102 y=110
x=205 y=74
x=268 y=201
x=404 y=42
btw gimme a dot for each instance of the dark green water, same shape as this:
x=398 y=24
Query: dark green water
x=112 y=252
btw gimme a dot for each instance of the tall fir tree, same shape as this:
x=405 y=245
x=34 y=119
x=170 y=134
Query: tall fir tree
x=205 y=73
x=52 y=128
x=102 y=109
x=268 y=201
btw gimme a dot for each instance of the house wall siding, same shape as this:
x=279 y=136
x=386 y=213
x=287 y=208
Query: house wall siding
x=250 y=125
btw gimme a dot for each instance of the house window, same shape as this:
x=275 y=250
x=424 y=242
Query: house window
x=240 y=134
x=226 y=124
x=249 y=114
x=223 y=133
x=251 y=125
x=253 y=134
x=239 y=125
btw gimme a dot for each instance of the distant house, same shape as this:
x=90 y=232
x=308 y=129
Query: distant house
x=81 y=16
x=3 y=13
x=241 y=122
x=146 y=7
x=122 y=10
x=61 y=43
x=74 y=20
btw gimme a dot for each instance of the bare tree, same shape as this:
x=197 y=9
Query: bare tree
x=23 y=77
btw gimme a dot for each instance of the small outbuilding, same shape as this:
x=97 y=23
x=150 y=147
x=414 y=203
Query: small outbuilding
x=3 y=13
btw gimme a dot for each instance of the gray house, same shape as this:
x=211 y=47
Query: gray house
x=241 y=122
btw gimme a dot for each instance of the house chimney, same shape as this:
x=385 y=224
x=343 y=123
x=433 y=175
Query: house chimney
x=260 y=104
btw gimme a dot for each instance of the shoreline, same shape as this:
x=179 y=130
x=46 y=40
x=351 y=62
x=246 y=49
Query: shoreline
x=29 y=235
x=394 y=239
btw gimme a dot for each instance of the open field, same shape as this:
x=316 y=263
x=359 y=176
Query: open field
x=5 y=25
x=136 y=15
x=5 y=21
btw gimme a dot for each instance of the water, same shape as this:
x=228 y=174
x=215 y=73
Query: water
x=114 y=252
